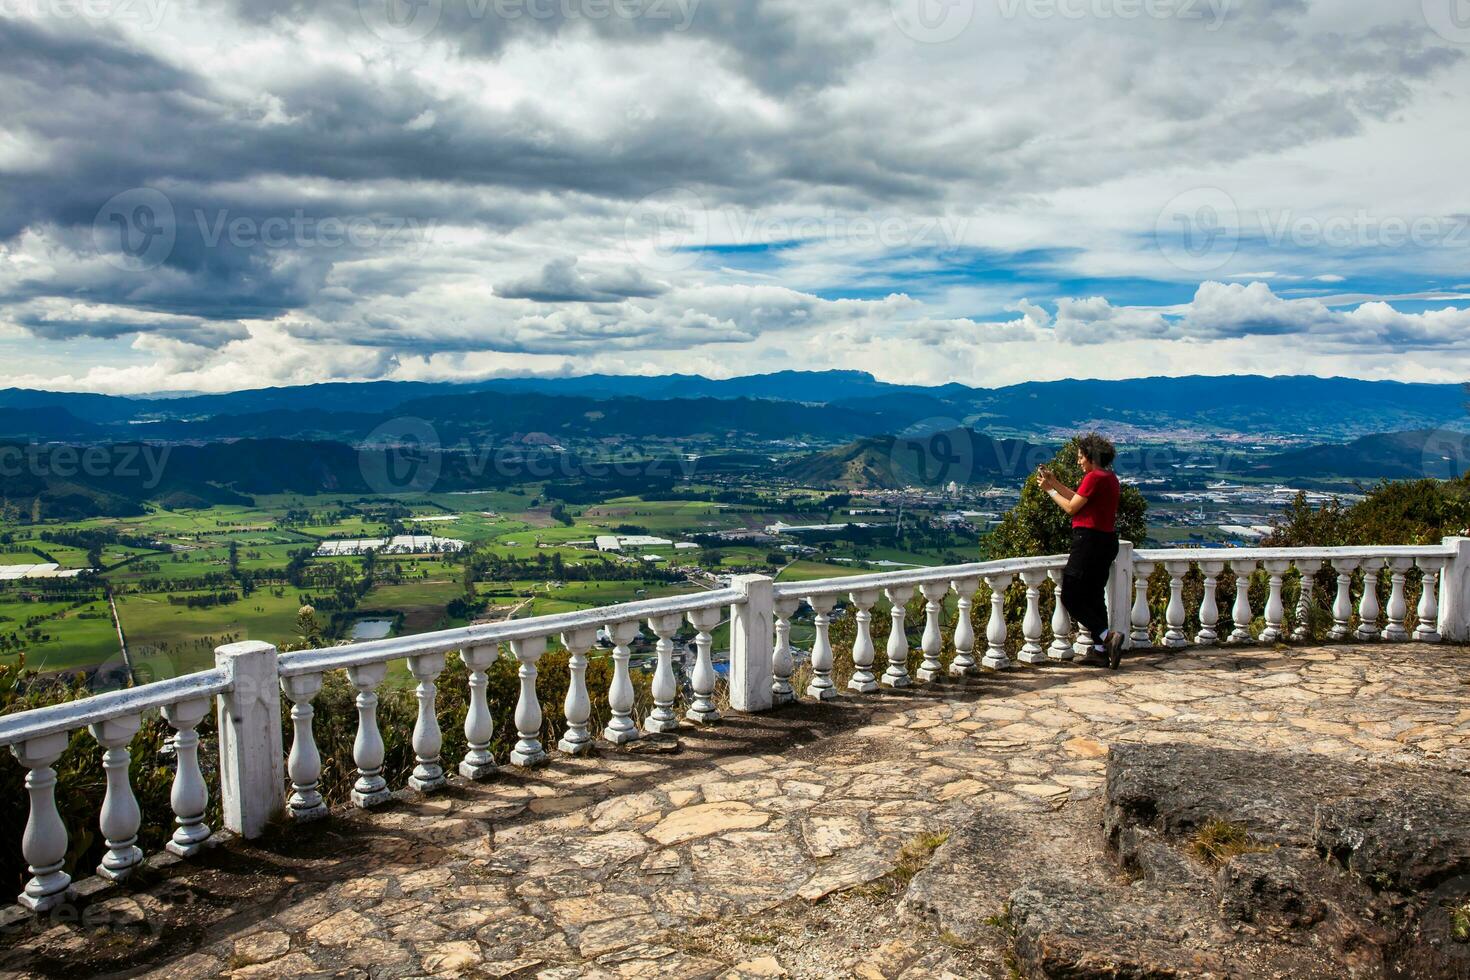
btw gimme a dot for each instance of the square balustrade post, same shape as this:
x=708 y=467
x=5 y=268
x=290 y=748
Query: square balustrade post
x=1120 y=592
x=1454 y=595
x=752 y=625
x=251 y=761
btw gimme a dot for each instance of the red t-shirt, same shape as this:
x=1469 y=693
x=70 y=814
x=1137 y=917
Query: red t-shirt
x=1100 y=513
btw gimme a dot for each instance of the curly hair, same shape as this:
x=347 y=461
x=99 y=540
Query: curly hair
x=1098 y=449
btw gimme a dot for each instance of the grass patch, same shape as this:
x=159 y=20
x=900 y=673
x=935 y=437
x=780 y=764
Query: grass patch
x=1460 y=923
x=1220 y=840
x=912 y=858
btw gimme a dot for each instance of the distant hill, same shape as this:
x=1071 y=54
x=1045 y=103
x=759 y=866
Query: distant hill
x=931 y=459
x=1414 y=455
x=824 y=404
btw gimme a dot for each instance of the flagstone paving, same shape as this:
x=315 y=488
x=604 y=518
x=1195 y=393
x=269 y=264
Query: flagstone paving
x=768 y=846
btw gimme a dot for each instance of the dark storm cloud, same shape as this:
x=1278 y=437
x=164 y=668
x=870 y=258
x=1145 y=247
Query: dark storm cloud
x=561 y=282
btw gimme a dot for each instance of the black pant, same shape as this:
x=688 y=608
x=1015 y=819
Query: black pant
x=1085 y=579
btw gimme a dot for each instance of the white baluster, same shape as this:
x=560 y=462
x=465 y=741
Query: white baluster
x=1141 y=616
x=995 y=627
x=933 y=640
x=863 y=679
x=1174 y=637
x=304 y=764
x=782 y=664
x=963 y=664
x=1342 y=605
x=428 y=740
x=1061 y=621
x=1209 y=607
x=188 y=796
x=1275 y=608
x=1032 y=652
x=1308 y=569
x=577 y=740
x=479 y=724
x=897 y=674
x=120 y=814
x=1082 y=642
x=529 y=751
x=1427 y=629
x=1368 y=608
x=1398 y=603
x=662 y=718
x=1240 y=614
x=44 y=840
x=703 y=711
x=371 y=789
x=821 y=686
x=620 y=727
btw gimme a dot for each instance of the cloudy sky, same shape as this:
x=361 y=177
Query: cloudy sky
x=218 y=194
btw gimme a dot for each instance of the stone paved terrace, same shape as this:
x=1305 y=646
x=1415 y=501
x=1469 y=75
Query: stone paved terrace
x=768 y=846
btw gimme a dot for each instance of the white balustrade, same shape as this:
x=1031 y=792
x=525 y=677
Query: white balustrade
x=479 y=724
x=189 y=796
x=528 y=751
x=304 y=764
x=1061 y=621
x=782 y=663
x=996 y=657
x=620 y=728
x=577 y=740
x=1032 y=652
x=370 y=789
x=44 y=842
x=933 y=641
x=1369 y=610
x=1427 y=629
x=427 y=740
x=1342 y=605
x=120 y=814
x=1140 y=617
x=897 y=674
x=1174 y=615
x=963 y=664
x=665 y=689
x=821 y=686
x=1275 y=606
x=1241 y=615
x=1308 y=569
x=1209 y=607
x=863 y=679
x=1398 y=606
x=702 y=710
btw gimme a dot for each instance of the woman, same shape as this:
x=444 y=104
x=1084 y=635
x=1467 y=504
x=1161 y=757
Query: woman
x=1093 y=507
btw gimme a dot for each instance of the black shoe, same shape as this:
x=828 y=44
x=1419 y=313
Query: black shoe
x=1115 y=649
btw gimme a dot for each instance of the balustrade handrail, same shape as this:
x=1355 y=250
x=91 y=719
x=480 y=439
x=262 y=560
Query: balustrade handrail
x=398 y=647
x=72 y=715
x=915 y=576
x=1157 y=555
